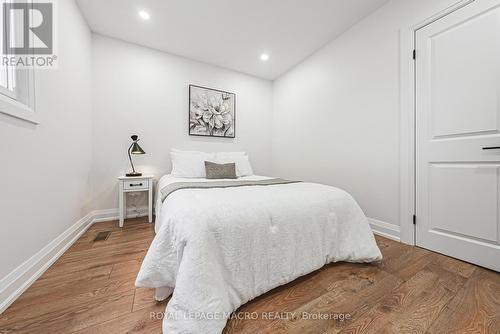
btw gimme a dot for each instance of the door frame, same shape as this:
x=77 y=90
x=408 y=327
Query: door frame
x=407 y=133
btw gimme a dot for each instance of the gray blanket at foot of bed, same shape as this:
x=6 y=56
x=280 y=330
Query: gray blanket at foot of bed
x=170 y=188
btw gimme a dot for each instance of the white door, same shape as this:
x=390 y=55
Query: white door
x=457 y=132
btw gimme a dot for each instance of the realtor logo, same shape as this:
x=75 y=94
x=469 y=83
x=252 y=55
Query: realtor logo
x=28 y=34
x=28 y=28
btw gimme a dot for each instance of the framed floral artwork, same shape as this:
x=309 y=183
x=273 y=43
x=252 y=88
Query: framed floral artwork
x=211 y=112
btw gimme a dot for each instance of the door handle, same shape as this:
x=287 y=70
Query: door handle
x=492 y=148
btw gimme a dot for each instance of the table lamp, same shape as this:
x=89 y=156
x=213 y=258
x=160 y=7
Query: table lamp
x=134 y=149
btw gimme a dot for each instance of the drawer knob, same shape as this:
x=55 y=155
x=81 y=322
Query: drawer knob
x=136 y=185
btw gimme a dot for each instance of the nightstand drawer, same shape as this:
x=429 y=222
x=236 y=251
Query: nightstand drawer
x=136 y=185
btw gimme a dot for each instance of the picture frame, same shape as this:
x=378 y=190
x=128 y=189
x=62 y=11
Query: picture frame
x=212 y=112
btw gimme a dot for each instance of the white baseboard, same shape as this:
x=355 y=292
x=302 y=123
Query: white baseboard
x=112 y=214
x=17 y=281
x=389 y=231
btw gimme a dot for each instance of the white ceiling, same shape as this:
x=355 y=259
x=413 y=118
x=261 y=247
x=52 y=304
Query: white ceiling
x=230 y=33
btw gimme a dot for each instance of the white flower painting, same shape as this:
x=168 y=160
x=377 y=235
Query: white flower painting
x=211 y=112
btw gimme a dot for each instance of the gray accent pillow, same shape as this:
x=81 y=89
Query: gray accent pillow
x=220 y=171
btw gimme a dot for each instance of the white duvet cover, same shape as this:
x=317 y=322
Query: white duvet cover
x=216 y=249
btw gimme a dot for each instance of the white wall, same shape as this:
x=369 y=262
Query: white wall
x=141 y=91
x=45 y=168
x=336 y=115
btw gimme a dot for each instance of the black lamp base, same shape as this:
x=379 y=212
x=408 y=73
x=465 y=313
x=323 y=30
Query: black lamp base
x=134 y=174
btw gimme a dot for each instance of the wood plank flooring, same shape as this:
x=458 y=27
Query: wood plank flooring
x=90 y=289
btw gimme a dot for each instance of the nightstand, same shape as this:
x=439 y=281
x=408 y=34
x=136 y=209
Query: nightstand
x=129 y=184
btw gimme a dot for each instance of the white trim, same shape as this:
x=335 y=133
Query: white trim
x=113 y=214
x=16 y=109
x=407 y=137
x=407 y=120
x=17 y=281
x=386 y=230
x=456 y=6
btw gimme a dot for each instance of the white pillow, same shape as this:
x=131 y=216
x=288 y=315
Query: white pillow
x=243 y=167
x=189 y=164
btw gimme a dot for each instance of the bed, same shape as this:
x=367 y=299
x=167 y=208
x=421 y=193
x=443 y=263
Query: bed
x=220 y=244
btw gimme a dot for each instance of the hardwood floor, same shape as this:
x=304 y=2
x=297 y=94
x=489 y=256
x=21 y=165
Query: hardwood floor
x=90 y=289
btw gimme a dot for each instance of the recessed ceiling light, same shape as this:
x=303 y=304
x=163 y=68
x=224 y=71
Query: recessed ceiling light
x=144 y=15
x=264 y=57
